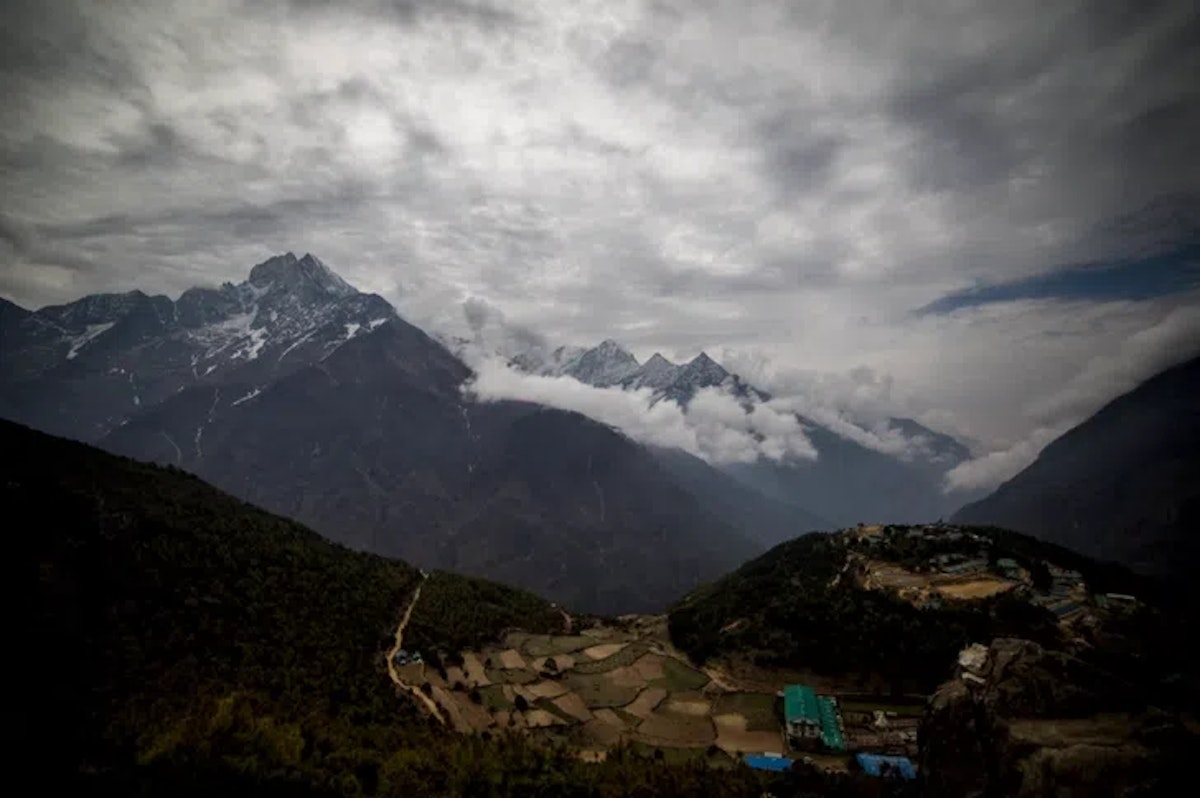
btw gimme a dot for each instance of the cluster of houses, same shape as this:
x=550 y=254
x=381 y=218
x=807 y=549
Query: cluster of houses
x=813 y=723
x=1066 y=596
x=957 y=565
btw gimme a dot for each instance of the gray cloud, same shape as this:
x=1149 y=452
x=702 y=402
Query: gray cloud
x=786 y=179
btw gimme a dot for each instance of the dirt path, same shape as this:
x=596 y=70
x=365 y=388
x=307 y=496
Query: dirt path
x=717 y=677
x=391 y=659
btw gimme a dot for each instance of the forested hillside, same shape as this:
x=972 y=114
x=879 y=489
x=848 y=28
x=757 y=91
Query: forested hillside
x=800 y=605
x=187 y=643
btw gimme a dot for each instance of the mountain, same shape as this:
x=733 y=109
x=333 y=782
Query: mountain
x=1123 y=485
x=851 y=483
x=185 y=643
x=611 y=365
x=294 y=391
x=602 y=366
x=81 y=369
x=657 y=374
x=848 y=483
x=764 y=519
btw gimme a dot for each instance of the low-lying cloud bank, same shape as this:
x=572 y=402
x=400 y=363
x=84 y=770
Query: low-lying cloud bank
x=1103 y=377
x=993 y=468
x=714 y=427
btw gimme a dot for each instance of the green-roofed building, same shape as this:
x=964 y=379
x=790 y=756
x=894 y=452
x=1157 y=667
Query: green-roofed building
x=811 y=720
x=831 y=725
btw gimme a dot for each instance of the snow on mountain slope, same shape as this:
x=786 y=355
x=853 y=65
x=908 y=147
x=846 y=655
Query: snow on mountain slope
x=851 y=478
x=656 y=373
x=605 y=365
x=118 y=352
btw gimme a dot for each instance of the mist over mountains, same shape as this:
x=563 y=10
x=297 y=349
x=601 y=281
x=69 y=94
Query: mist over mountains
x=581 y=473
x=843 y=471
x=299 y=393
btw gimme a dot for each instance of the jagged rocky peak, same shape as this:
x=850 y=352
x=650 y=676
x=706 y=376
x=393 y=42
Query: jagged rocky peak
x=98 y=308
x=656 y=373
x=658 y=363
x=291 y=272
x=603 y=365
x=610 y=348
x=710 y=371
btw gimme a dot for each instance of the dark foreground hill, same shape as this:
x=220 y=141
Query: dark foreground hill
x=187 y=643
x=1123 y=485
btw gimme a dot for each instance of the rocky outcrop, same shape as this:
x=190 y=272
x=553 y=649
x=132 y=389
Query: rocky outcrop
x=1041 y=723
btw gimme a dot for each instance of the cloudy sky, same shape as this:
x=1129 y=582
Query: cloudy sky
x=984 y=215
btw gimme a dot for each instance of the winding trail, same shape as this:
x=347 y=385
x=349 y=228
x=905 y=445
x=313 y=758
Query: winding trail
x=429 y=703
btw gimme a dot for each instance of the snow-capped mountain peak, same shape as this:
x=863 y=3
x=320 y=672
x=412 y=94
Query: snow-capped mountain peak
x=289 y=313
x=307 y=274
x=656 y=373
x=704 y=371
x=603 y=365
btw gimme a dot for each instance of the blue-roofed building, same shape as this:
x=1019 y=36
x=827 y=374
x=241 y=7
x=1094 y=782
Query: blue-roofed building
x=778 y=764
x=894 y=767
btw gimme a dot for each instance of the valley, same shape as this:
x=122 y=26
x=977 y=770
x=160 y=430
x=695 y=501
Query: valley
x=319 y=662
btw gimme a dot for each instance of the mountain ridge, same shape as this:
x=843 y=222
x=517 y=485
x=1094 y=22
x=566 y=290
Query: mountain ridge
x=1124 y=484
x=295 y=391
x=849 y=481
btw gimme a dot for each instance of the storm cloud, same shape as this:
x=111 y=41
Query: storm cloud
x=957 y=199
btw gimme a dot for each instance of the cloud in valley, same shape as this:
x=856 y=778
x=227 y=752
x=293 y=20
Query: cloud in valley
x=715 y=426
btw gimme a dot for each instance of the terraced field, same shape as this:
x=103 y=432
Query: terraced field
x=601 y=686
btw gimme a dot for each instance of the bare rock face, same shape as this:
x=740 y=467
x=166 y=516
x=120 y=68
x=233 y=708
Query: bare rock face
x=955 y=742
x=1041 y=723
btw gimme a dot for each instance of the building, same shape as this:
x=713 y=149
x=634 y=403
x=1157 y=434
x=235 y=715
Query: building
x=812 y=721
x=800 y=713
x=968 y=566
x=1065 y=610
x=897 y=767
x=772 y=762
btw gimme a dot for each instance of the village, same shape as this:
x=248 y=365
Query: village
x=622 y=681
x=626 y=683
x=972 y=572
